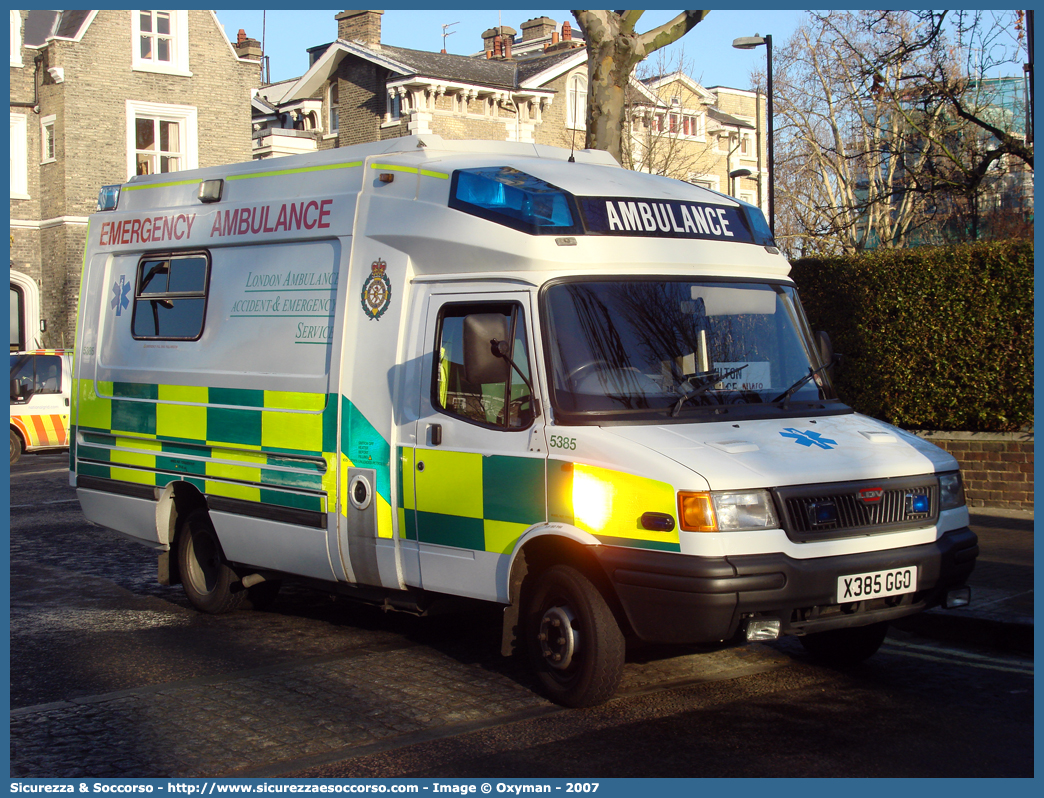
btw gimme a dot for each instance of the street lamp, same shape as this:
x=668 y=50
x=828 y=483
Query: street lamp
x=749 y=43
x=734 y=175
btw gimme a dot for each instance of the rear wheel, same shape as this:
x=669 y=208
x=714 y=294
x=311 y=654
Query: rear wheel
x=205 y=576
x=16 y=447
x=846 y=646
x=574 y=642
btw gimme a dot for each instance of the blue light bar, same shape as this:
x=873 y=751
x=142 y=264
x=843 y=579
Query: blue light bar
x=513 y=198
x=108 y=198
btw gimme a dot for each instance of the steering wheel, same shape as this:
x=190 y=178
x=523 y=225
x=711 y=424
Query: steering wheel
x=572 y=376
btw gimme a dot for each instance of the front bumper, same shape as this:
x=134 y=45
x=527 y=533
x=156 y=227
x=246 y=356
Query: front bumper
x=678 y=598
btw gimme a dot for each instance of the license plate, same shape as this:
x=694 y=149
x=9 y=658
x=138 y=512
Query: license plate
x=877 y=584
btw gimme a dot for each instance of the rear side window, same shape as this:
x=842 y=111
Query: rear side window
x=170 y=297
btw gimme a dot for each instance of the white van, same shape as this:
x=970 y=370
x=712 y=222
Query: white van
x=421 y=369
x=41 y=382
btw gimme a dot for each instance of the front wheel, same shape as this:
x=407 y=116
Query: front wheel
x=205 y=576
x=574 y=642
x=846 y=646
x=16 y=447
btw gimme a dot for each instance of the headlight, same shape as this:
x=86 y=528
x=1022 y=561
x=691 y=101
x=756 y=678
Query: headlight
x=726 y=511
x=951 y=491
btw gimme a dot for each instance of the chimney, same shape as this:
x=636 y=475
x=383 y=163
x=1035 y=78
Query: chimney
x=567 y=31
x=360 y=26
x=505 y=35
x=539 y=28
x=246 y=47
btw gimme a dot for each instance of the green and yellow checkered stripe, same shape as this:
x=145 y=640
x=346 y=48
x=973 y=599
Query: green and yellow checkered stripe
x=469 y=500
x=235 y=443
x=487 y=502
x=609 y=504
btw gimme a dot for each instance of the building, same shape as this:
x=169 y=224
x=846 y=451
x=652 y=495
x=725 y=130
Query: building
x=97 y=97
x=713 y=137
x=360 y=89
x=529 y=88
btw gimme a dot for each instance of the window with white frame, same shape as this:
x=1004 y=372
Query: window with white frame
x=47 y=146
x=19 y=157
x=16 y=38
x=576 y=101
x=333 y=105
x=393 y=109
x=745 y=145
x=161 y=138
x=160 y=41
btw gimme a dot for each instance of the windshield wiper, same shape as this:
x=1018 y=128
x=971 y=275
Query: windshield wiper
x=785 y=396
x=711 y=379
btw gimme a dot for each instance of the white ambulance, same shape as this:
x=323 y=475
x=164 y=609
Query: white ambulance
x=41 y=382
x=421 y=369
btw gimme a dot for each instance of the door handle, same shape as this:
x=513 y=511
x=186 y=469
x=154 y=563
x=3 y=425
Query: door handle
x=436 y=434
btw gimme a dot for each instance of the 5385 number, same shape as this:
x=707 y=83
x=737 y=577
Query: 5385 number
x=562 y=442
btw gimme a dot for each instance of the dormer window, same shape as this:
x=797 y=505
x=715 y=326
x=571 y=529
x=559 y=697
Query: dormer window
x=161 y=41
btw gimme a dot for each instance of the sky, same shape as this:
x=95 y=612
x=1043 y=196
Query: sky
x=706 y=51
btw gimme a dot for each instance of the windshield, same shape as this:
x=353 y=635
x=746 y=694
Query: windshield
x=679 y=348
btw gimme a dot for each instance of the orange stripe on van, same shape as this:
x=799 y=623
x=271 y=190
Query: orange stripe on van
x=42 y=438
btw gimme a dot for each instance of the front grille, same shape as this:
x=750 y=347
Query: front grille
x=828 y=512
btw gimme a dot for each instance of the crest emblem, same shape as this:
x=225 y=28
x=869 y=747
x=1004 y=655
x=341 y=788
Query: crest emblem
x=376 y=290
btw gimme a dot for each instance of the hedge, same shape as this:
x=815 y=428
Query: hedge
x=933 y=338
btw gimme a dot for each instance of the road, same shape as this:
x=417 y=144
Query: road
x=115 y=675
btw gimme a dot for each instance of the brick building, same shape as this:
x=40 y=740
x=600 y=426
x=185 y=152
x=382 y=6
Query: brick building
x=359 y=89
x=530 y=88
x=701 y=135
x=97 y=97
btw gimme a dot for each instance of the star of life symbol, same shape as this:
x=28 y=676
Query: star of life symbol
x=120 y=291
x=809 y=438
x=376 y=290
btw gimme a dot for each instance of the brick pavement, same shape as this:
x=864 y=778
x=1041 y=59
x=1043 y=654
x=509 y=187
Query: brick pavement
x=316 y=710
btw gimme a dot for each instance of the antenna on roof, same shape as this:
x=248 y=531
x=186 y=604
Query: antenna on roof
x=445 y=34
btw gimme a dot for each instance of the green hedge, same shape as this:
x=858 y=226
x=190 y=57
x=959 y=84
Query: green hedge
x=934 y=338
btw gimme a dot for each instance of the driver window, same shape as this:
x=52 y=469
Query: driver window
x=503 y=403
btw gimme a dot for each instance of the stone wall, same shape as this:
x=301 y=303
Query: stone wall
x=997 y=467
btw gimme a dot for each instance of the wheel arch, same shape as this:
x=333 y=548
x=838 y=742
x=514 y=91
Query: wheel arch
x=178 y=499
x=538 y=550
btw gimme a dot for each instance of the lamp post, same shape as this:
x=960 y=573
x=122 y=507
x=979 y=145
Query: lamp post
x=749 y=43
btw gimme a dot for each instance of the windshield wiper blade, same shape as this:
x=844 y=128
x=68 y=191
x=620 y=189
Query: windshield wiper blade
x=711 y=379
x=785 y=396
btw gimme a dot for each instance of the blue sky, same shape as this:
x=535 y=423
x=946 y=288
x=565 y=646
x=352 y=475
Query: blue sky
x=707 y=49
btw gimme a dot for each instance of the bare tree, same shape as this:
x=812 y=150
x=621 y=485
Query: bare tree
x=650 y=144
x=981 y=156
x=614 y=48
x=888 y=128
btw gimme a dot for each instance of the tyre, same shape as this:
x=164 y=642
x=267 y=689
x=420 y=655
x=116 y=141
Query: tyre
x=16 y=447
x=846 y=646
x=573 y=639
x=205 y=576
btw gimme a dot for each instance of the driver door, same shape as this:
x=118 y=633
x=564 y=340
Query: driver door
x=480 y=458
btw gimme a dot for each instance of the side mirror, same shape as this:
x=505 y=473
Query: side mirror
x=826 y=349
x=17 y=393
x=484 y=360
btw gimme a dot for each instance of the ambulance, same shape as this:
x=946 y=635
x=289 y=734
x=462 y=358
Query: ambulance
x=422 y=371
x=41 y=384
